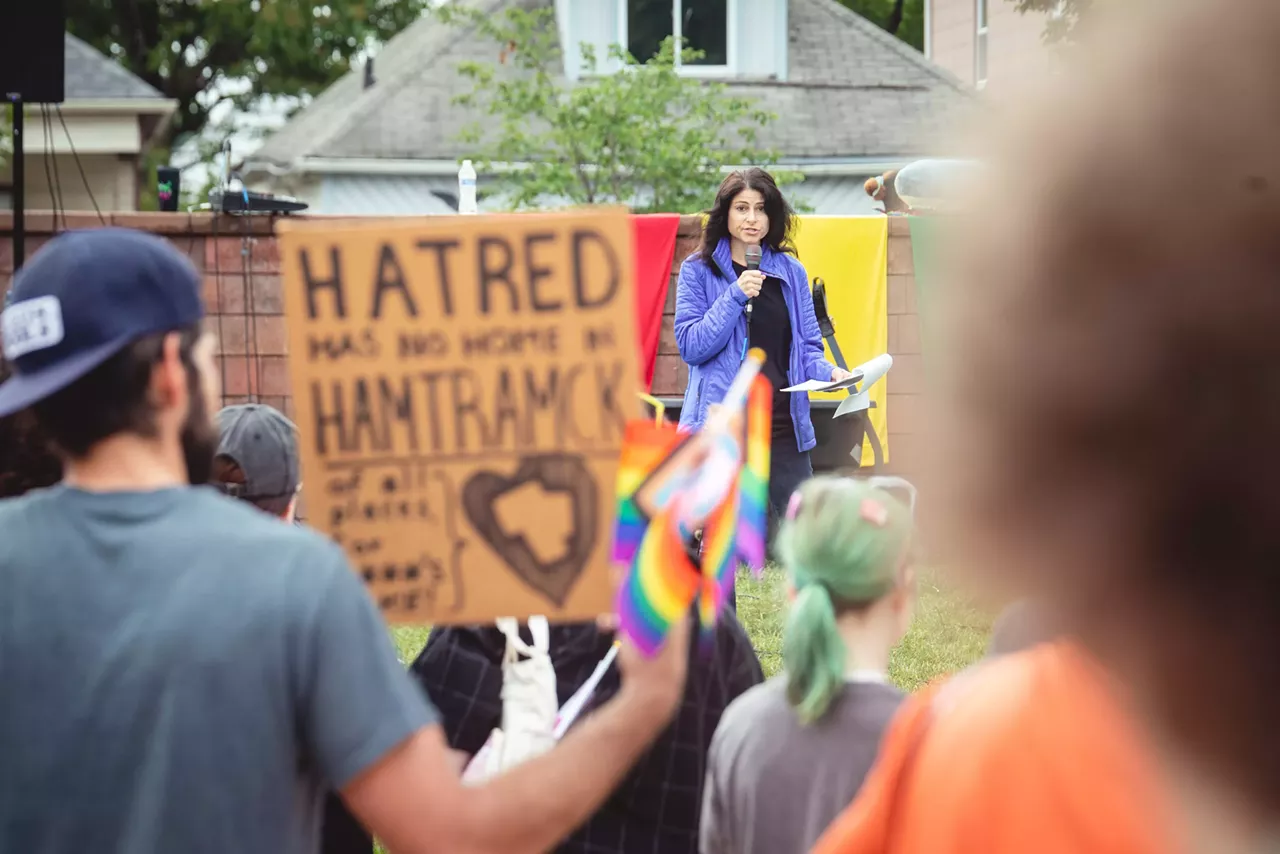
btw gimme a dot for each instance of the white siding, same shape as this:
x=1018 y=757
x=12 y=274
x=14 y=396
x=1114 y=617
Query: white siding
x=761 y=38
x=381 y=195
x=592 y=22
x=89 y=134
x=567 y=39
x=111 y=182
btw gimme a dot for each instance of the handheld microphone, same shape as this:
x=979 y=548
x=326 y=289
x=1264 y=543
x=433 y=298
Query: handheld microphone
x=753 y=263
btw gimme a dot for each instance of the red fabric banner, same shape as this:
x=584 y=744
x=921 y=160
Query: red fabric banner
x=653 y=243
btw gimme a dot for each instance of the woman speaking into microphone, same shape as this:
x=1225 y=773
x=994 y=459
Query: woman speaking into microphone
x=724 y=305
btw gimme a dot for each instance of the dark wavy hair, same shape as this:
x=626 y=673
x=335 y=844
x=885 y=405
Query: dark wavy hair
x=27 y=460
x=782 y=219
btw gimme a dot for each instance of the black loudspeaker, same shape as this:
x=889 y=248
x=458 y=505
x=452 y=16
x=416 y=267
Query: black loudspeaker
x=33 y=51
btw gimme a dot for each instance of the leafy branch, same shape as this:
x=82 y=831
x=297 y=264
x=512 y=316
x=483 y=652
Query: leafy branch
x=1062 y=17
x=195 y=51
x=638 y=134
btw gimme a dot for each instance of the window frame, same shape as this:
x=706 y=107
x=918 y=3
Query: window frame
x=928 y=29
x=729 y=69
x=981 y=44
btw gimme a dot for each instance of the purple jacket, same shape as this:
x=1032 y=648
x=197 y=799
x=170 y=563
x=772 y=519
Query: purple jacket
x=711 y=326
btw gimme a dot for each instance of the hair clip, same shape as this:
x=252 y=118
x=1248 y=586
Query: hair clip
x=874 y=512
x=793 y=505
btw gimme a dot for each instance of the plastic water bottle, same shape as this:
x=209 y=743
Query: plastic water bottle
x=467 y=189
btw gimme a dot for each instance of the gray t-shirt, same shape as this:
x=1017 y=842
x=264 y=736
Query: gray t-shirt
x=773 y=785
x=180 y=672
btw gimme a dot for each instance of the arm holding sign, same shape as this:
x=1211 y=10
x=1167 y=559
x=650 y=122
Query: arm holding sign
x=703 y=327
x=413 y=799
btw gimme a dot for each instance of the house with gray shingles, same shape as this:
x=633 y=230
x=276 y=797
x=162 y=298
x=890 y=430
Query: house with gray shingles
x=852 y=101
x=107 y=122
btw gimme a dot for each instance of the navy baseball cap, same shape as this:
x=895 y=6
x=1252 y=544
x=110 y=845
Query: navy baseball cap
x=85 y=296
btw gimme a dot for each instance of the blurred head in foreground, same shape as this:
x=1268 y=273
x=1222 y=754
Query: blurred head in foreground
x=1116 y=392
x=845 y=546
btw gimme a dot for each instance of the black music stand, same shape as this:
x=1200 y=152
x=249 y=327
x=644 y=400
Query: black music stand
x=19 y=179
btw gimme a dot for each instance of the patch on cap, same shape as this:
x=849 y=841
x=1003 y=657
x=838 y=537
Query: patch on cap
x=31 y=325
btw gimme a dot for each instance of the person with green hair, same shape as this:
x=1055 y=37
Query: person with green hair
x=789 y=755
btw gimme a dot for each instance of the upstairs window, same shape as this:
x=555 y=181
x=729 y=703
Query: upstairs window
x=703 y=25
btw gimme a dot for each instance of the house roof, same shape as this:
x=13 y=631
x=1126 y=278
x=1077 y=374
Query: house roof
x=92 y=76
x=852 y=90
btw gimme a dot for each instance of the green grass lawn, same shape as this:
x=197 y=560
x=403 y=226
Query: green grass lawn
x=948 y=633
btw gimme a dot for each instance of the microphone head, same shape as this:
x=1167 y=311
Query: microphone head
x=753 y=257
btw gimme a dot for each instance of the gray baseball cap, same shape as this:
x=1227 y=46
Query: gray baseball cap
x=264 y=444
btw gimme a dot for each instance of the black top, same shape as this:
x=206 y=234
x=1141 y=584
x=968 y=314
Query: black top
x=770 y=330
x=658 y=805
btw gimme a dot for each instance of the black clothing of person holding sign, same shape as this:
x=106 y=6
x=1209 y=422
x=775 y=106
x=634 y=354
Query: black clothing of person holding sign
x=770 y=330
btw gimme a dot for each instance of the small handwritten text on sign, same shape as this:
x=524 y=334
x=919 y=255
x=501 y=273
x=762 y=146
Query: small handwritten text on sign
x=461 y=387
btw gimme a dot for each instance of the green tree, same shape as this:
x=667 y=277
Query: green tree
x=203 y=53
x=646 y=137
x=901 y=18
x=1062 y=17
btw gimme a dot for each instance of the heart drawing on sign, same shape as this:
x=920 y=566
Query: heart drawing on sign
x=569 y=523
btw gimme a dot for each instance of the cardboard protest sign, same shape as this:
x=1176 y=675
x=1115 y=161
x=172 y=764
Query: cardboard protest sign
x=461 y=387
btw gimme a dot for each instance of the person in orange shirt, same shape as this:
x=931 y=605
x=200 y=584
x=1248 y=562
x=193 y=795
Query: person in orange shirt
x=1029 y=752
x=1110 y=416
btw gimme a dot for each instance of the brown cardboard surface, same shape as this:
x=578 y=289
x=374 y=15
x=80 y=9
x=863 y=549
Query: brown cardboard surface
x=461 y=386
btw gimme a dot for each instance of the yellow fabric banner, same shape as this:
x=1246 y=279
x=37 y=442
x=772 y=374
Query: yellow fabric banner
x=850 y=254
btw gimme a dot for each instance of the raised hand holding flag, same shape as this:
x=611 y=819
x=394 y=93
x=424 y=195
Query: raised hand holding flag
x=669 y=485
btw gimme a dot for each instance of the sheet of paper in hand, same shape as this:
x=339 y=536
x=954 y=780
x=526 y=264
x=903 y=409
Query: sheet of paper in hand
x=462 y=386
x=833 y=385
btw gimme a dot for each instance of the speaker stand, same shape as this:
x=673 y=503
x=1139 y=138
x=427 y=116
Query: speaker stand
x=19 y=189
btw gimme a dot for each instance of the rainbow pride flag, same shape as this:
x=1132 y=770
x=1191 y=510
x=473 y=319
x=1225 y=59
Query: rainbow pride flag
x=661 y=585
x=735 y=534
x=729 y=487
x=645 y=445
x=753 y=480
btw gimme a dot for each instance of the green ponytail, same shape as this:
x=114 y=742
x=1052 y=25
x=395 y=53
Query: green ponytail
x=842 y=544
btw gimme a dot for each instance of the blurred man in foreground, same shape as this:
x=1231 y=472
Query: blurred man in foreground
x=182 y=672
x=1115 y=389
x=257 y=461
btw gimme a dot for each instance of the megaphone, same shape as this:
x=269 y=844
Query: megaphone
x=872 y=372
x=936 y=185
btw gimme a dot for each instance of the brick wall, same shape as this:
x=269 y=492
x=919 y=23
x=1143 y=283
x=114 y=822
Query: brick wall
x=241 y=270
x=240 y=265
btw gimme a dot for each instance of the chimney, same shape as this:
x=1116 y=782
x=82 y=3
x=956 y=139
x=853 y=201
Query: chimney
x=369 y=79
